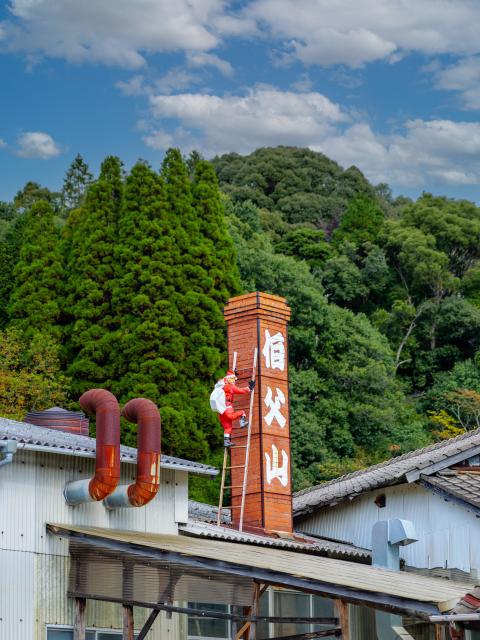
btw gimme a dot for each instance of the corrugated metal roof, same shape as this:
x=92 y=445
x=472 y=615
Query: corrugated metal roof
x=351 y=581
x=308 y=545
x=384 y=474
x=31 y=437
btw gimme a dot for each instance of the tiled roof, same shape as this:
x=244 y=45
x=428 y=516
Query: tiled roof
x=31 y=437
x=464 y=485
x=384 y=474
x=206 y=512
x=307 y=544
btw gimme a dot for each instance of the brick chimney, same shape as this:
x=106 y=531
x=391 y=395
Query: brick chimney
x=259 y=320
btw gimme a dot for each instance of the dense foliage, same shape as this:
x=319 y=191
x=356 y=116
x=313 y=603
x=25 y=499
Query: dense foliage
x=120 y=281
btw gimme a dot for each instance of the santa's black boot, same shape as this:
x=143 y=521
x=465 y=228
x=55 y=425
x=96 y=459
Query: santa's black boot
x=227 y=442
x=243 y=421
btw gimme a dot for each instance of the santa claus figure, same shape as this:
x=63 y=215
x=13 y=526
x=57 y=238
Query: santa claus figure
x=221 y=401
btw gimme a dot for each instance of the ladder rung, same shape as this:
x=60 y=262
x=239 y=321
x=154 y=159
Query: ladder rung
x=239 y=446
x=233 y=486
x=236 y=466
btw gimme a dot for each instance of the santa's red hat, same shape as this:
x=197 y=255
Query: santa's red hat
x=229 y=373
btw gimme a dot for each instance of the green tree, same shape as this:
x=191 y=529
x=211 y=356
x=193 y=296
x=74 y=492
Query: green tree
x=76 y=182
x=150 y=346
x=36 y=296
x=206 y=277
x=346 y=404
x=303 y=185
x=30 y=376
x=361 y=222
x=91 y=332
x=32 y=192
x=9 y=254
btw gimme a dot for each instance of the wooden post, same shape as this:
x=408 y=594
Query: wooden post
x=128 y=626
x=341 y=611
x=79 y=628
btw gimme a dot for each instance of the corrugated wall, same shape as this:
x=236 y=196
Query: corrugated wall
x=35 y=565
x=446 y=532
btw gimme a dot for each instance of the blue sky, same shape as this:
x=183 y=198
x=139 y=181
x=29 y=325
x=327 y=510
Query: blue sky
x=392 y=86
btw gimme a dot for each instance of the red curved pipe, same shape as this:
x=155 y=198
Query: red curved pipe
x=104 y=406
x=145 y=413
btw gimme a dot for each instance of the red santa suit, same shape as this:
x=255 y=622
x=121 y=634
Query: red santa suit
x=229 y=415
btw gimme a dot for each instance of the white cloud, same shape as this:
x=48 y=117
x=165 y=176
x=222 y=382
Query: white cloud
x=354 y=33
x=115 y=33
x=439 y=151
x=159 y=139
x=320 y=32
x=36 y=144
x=3 y=144
x=176 y=79
x=464 y=76
x=265 y=116
x=203 y=59
x=422 y=152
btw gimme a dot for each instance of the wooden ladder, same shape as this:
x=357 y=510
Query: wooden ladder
x=228 y=467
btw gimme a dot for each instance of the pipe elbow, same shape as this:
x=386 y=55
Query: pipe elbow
x=104 y=406
x=145 y=414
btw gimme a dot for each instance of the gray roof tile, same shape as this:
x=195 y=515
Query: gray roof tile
x=29 y=436
x=461 y=484
x=381 y=475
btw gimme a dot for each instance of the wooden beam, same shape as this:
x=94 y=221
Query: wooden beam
x=325 y=633
x=128 y=628
x=148 y=624
x=79 y=626
x=341 y=610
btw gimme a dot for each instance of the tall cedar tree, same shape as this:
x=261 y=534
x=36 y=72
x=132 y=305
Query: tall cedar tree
x=9 y=253
x=149 y=349
x=91 y=334
x=198 y=299
x=36 y=298
x=77 y=180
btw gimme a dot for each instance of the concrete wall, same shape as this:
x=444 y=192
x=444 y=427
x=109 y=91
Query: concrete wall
x=34 y=565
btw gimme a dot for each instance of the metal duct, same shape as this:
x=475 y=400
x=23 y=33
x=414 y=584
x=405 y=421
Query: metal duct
x=104 y=406
x=144 y=413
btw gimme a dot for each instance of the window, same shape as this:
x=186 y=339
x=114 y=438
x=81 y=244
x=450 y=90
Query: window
x=66 y=633
x=208 y=628
x=292 y=604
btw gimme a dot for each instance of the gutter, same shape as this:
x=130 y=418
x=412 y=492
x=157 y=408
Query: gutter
x=81 y=453
x=7 y=448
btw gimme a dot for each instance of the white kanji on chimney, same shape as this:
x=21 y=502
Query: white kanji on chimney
x=273 y=470
x=274 y=351
x=275 y=404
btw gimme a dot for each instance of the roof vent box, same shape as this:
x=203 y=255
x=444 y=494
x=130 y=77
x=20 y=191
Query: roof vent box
x=60 y=420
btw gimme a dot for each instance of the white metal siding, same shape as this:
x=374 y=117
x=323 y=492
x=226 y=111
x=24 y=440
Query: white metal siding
x=17 y=595
x=34 y=565
x=446 y=531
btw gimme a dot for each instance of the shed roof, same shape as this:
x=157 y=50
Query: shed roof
x=31 y=437
x=302 y=542
x=406 y=468
x=350 y=581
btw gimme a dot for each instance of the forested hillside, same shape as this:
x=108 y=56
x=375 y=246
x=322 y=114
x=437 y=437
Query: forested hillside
x=119 y=281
